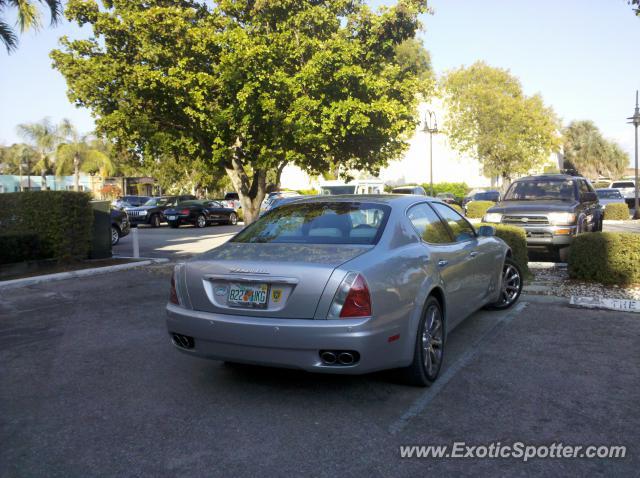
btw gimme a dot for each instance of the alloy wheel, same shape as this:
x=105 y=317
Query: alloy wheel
x=432 y=341
x=511 y=282
x=115 y=237
x=202 y=221
x=233 y=218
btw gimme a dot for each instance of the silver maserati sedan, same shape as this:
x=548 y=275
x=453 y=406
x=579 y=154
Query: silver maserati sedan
x=342 y=284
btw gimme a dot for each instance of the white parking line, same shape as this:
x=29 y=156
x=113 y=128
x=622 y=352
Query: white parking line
x=430 y=393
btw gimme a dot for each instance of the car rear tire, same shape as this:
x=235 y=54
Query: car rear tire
x=155 y=221
x=201 y=221
x=428 y=352
x=174 y=224
x=233 y=219
x=510 y=286
x=115 y=235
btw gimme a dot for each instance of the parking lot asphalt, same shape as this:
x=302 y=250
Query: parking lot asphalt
x=91 y=386
x=177 y=243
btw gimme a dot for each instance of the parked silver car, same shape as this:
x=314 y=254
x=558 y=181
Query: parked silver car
x=342 y=284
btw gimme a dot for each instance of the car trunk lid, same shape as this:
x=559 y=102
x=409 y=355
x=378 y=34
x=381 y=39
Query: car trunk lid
x=279 y=280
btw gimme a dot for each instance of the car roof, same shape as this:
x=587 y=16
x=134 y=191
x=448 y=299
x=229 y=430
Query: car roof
x=391 y=199
x=549 y=177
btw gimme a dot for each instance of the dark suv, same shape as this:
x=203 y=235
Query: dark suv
x=552 y=209
x=151 y=212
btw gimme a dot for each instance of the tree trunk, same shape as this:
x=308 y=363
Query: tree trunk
x=250 y=190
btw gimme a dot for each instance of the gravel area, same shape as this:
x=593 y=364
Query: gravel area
x=553 y=279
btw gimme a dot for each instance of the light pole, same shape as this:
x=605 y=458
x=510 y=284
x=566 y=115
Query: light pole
x=635 y=121
x=431 y=127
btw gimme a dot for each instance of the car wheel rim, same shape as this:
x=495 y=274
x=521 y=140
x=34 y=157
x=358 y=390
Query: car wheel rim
x=201 y=221
x=432 y=341
x=234 y=219
x=114 y=236
x=510 y=285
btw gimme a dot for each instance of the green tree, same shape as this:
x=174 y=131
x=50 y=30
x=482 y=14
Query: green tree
x=248 y=85
x=79 y=153
x=17 y=159
x=490 y=118
x=43 y=137
x=28 y=18
x=590 y=154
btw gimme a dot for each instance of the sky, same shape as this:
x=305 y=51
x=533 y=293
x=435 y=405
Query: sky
x=582 y=56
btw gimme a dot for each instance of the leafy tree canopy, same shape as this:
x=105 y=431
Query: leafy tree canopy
x=28 y=16
x=248 y=85
x=490 y=118
x=590 y=154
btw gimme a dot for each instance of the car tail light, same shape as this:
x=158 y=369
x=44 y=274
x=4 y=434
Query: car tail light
x=173 y=294
x=184 y=212
x=352 y=298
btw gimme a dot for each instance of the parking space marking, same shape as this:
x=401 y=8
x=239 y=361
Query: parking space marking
x=430 y=393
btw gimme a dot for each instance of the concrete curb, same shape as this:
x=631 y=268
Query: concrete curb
x=28 y=281
x=619 y=305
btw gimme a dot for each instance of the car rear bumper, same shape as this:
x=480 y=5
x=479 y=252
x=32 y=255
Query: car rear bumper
x=290 y=343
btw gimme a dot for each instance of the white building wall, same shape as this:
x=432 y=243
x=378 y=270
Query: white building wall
x=448 y=164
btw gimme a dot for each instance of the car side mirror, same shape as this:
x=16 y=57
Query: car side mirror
x=486 y=231
x=588 y=197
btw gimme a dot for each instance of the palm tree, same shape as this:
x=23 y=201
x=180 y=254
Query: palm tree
x=28 y=17
x=43 y=136
x=79 y=153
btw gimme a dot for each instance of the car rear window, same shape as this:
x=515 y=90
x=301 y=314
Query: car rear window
x=319 y=223
x=623 y=184
x=540 y=189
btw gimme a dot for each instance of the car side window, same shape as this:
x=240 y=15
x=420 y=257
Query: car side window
x=460 y=227
x=428 y=225
x=584 y=188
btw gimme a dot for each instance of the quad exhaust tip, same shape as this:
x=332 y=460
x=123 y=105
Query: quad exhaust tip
x=339 y=357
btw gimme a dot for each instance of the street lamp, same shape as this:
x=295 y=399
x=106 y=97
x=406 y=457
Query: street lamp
x=431 y=127
x=635 y=121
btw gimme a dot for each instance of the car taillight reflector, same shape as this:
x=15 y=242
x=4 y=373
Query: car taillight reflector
x=184 y=212
x=352 y=298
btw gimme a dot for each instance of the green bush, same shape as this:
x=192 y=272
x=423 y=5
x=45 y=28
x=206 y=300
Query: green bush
x=19 y=248
x=310 y=192
x=601 y=184
x=457 y=207
x=61 y=220
x=606 y=257
x=616 y=211
x=516 y=239
x=459 y=190
x=477 y=209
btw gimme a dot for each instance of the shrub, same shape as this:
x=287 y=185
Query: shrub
x=16 y=247
x=601 y=184
x=313 y=192
x=457 y=189
x=61 y=220
x=457 y=207
x=616 y=211
x=477 y=209
x=606 y=257
x=516 y=239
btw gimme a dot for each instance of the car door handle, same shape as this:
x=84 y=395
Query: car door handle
x=473 y=254
x=442 y=263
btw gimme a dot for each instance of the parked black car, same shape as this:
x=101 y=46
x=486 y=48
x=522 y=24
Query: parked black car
x=551 y=209
x=151 y=212
x=134 y=201
x=119 y=225
x=200 y=213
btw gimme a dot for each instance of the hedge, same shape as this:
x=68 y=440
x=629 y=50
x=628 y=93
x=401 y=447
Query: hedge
x=459 y=190
x=477 y=209
x=516 y=239
x=457 y=207
x=61 y=221
x=19 y=248
x=606 y=257
x=616 y=211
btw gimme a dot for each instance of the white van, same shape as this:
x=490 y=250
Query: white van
x=357 y=186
